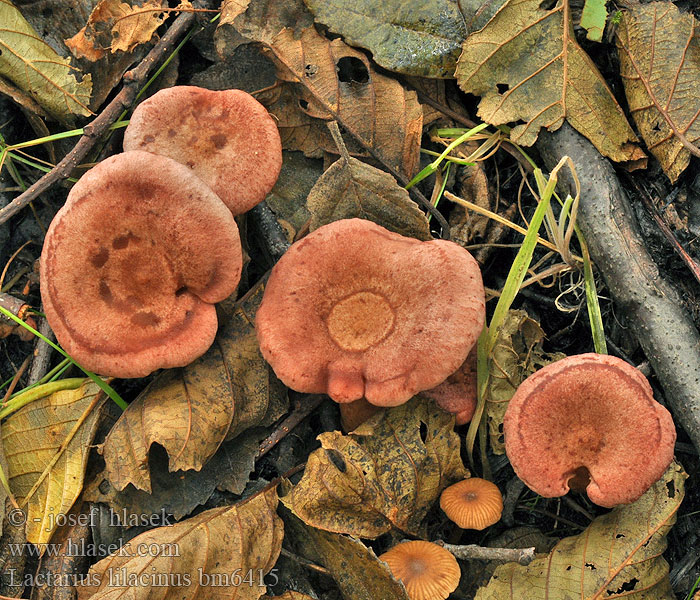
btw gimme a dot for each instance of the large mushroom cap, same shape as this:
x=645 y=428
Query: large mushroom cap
x=589 y=416
x=133 y=262
x=354 y=310
x=227 y=138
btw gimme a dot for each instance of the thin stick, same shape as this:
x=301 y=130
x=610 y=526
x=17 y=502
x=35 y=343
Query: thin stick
x=523 y=556
x=42 y=353
x=302 y=410
x=133 y=80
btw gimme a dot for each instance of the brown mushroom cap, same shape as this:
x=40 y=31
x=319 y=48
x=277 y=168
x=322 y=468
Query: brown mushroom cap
x=354 y=310
x=227 y=138
x=133 y=262
x=472 y=503
x=428 y=571
x=591 y=413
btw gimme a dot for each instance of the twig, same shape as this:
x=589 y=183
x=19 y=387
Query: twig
x=16 y=306
x=263 y=219
x=524 y=556
x=133 y=80
x=42 y=354
x=304 y=563
x=303 y=409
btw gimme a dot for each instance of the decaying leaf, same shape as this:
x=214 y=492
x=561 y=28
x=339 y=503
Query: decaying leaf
x=47 y=444
x=529 y=70
x=352 y=188
x=191 y=411
x=593 y=19
x=116 y=25
x=618 y=555
x=387 y=473
x=221 y=554
x=517 y=355
x=34 y=67
x=659 y=50
x=353 y=566
x=466 y=225
x=416 y=37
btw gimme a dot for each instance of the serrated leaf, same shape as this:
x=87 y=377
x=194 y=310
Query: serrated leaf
x=355 y=189
x=32 y=65
x=387 y=473
x=207 y=557
x=593 y=19
x=191 y=411
x=47 y=444
x=528 y=68
x=517 y=354
x=415 y=37
x=618 y=555
x=659 y=50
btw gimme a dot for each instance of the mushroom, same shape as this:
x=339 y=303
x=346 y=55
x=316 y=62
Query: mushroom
x=428 y=571
x=458 y=393
x=354 y=310
x=472 y=503
x=227 y=138
x=588 y=421
x=133 y=262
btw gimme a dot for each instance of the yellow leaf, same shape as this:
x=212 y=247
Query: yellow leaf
x=527 y=66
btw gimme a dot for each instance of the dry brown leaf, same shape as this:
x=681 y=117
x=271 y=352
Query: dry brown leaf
x=529 y=70
x=221 y=554
x=351 y=188
x=387 y=473
x=618 y=555
x=466 y=226
x=47 y=443
x=116 y=25
x=659 y=49
x=516 y=355
x=191 y=411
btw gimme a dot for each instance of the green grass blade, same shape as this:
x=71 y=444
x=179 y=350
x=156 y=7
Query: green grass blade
x=594 y=316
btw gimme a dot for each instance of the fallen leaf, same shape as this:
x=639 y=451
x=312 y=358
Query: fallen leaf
x=355 y=568
x=517 y=354
x=553 y=79
x=114 y=25
x=47 y=443
x=289 y=595
x=180 y=493
x=387 y=473
x=34 y=67
x=466 y=226
x=593 y=19
x=191 y=411
x=221 y=554
x=349 y=189
x=659 y=50
x=618 y=555
x=415 y=37
x=11 y=561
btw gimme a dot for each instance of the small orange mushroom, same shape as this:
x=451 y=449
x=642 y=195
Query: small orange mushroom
x=133 y=263
x=428 y=571
x=472 y=503
x=588 y=421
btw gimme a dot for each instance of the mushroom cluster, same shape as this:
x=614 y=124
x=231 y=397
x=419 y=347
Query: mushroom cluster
x=356 y=311
x=588 y=422
x=144 y=246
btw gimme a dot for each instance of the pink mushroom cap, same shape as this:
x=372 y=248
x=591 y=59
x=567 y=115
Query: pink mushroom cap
x=589 y=415
x=133 y=262
x=458 y=393
x=227 y=138
x=354 y=311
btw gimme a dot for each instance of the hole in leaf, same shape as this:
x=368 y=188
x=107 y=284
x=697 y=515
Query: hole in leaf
x=628 y=586
x=502 y=88
x=303 y=103
x=423 y=432
x=591 y=566
x=351 y=69
x=670 y=486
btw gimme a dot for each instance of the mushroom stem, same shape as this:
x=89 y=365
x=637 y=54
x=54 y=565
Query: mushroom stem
x=353 y=414
x=523 y=556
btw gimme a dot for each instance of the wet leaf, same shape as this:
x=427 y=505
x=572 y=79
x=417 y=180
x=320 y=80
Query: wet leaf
x=34 y=67
x=552 y=79
x=47 y=443
x=659 y=50
x=517 y=354
x=206 y=557
x=593 y=19
x=180 y=493
x=387 y=473
x=618 y=555
x=191 y=411
x=116 y=25
x=353 y=566
x=352 y=188
x=415 y=37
